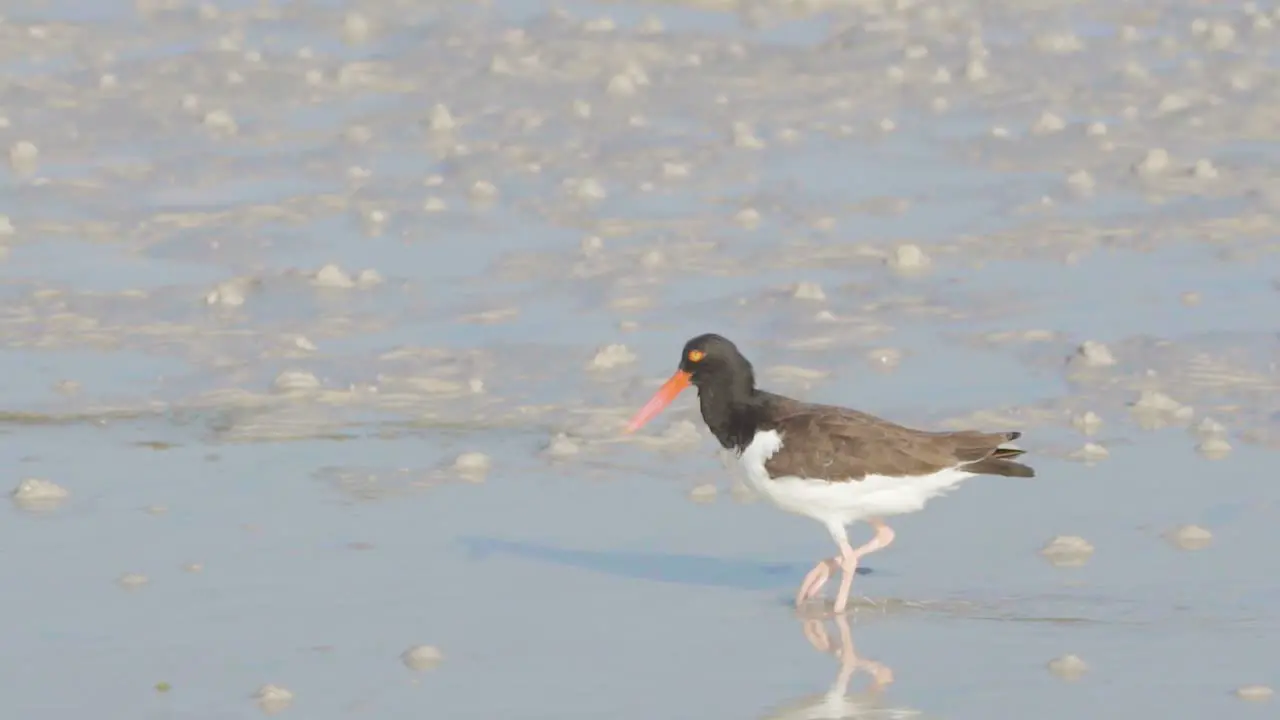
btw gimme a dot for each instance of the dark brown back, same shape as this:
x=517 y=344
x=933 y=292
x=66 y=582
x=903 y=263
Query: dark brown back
x=841 y=445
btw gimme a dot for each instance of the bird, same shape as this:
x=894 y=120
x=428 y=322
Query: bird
x=833 y=464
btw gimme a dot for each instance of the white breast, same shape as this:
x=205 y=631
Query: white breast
x=839 y=502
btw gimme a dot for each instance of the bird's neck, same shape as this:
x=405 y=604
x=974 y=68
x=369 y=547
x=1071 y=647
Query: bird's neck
x=730 y=407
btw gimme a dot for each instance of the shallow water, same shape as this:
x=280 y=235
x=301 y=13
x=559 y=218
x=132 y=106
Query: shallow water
x=504 y=189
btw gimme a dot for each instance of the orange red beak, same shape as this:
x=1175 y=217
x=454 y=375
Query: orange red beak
x=660 y=400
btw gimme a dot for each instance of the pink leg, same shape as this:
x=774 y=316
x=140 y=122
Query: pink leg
x=849 y=557
x=816 y=578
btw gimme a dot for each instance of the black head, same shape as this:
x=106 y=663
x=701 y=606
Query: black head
x=713 y=359
x=726 y=386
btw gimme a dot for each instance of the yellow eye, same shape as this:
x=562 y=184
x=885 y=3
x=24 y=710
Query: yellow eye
x=696 y=355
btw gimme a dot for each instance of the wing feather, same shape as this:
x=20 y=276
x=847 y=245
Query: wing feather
x=846 y=445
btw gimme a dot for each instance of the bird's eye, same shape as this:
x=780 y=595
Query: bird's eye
x=696 y=355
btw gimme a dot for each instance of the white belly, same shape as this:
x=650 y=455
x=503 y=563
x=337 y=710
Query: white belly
x=843 y=501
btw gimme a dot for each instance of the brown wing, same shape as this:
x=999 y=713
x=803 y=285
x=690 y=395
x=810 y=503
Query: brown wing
x=842 y=445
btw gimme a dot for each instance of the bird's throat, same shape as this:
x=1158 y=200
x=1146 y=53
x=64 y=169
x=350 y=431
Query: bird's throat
x=729 y=410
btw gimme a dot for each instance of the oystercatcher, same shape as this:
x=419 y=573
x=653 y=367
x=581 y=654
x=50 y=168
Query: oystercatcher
x=829 y=463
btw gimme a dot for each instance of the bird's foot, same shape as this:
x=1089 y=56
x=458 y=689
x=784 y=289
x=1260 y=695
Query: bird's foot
x=811 y=587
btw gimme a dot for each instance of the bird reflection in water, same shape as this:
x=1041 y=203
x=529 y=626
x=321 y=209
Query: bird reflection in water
x=836 y=703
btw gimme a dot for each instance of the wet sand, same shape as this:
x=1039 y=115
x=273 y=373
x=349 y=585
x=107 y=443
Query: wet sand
x=320 y=322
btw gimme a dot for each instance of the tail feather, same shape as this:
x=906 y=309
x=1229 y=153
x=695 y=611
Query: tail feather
x=1005 y=453
x=1000 y=461
x=998 y=464
x=973 y=446
x=981 y=454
